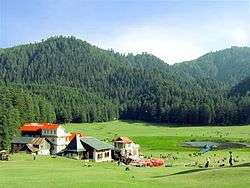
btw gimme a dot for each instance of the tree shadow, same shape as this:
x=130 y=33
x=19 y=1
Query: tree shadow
x=175 y=125
x=182 y=172
x=242 y=165
x=200 y=170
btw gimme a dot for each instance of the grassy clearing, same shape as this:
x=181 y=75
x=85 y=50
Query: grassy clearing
x=22 y=171
x=130 y=128
x=161 y=137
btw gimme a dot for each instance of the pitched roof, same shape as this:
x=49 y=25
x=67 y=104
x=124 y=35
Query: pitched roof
x=34 y=127
x=21 y=140
x=95 y=143
x=72 y=135
x=37 y=141
x=75 y=145
x=28 y=140
x=123 y=139
x=32 y=148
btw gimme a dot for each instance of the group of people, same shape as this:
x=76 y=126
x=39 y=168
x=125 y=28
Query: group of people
x=230 y=161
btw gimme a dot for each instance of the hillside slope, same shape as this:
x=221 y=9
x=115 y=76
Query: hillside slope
x=93 y=84
x=229 y=65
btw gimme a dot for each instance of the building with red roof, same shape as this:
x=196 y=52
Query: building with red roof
x=37 y=129
x=55 y=133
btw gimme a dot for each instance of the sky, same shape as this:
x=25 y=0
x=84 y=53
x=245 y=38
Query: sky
x=172 y=30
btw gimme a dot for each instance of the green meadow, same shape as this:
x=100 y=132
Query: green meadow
x=155 y=140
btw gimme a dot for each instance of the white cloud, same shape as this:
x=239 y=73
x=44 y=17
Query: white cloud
x=176 y=42
x=164 y=43
x=240 y=36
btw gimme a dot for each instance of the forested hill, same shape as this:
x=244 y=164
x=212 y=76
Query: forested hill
x=64 y=79
x=71 y=62
x=229 y=65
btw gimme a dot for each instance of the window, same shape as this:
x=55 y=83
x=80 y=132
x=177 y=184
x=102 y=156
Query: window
x=106 y=154
x=99 y=156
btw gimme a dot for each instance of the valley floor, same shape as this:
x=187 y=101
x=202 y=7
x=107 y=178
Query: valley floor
x=23 y=171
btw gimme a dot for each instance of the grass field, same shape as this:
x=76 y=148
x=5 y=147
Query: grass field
x=154 y=140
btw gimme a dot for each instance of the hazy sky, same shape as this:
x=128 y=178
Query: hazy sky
x=172 y=30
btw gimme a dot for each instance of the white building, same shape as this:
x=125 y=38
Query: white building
x=124 y=147
x=54 y=133
x=87 y=148
x=57 y=136
x=97 y=150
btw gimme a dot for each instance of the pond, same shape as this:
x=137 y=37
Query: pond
x=217 y=145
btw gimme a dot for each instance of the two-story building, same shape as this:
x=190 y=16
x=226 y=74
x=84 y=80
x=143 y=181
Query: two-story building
x=126 y=148
x=54 y=133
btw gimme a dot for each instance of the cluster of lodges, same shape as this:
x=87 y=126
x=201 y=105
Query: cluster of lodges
x=52 y=139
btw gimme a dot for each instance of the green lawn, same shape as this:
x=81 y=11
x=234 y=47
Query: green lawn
x=154 y=137
x=22 y=171
x=116 y=128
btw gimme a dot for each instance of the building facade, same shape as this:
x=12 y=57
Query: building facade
x=54 y=133
x=125 y=148
x=87 y=148
x=40 y=146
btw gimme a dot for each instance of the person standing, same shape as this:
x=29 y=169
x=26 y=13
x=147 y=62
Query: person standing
x=207 y=163
x=230 y=158
x=34 y=156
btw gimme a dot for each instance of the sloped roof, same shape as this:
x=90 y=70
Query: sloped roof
x=72 y=135
x=21 y=140
x=95 y=143
x=75 y=145
x=31 y=148
x=28 y=140
x=34 y=127
x=37 y=141
x=123 y=139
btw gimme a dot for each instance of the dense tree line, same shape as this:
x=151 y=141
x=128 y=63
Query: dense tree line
x=79 y=82
x=241 y=89
x=76 y=105
x=18 y=106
